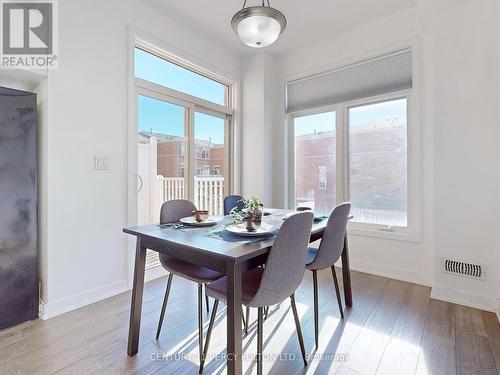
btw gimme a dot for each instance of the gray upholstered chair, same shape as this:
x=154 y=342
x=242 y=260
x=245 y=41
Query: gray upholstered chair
x=329 y=251
x=232 y=201
x=273 y=284
x=172 y=211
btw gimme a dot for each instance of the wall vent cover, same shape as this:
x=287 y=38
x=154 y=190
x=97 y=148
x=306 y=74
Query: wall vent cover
x=472 y=270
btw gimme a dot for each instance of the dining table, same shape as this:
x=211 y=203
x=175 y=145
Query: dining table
x=217 y=249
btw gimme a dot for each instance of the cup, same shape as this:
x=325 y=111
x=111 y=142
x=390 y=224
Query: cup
x=200 y=215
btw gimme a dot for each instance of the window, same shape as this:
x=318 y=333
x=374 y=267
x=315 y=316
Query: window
x=162 y=72
x=203 y=171
x=322 y=177
x=315 y=164
x=378 y=162
x=370 y=156
x=202 y=152
x=373 y=160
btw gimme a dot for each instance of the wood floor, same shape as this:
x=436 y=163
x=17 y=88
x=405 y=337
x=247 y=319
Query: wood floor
x=393 y=328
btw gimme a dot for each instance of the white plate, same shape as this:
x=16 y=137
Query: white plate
x=241 y=229
x=189 y=220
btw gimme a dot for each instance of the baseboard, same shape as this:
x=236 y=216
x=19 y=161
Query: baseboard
x=391 y=272
x=61 y=306
x=477 y=301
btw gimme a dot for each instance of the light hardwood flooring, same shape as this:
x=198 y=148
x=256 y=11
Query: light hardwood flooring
x=394 y=327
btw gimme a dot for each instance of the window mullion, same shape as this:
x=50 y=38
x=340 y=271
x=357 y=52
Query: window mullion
x=341 y=156
x=189 y=154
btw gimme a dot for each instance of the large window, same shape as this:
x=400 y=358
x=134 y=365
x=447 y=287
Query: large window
x=378 y=162
x=367 y=164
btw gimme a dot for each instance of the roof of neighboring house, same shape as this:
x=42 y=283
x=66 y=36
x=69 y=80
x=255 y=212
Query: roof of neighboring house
x=161 y=138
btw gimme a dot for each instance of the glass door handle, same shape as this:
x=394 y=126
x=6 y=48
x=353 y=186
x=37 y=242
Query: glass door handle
x=141 y=183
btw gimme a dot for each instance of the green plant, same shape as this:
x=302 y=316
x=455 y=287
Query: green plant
x=236 y=216
x=253 y=205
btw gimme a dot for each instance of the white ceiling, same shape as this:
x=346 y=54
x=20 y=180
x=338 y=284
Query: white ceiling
x=308 y=21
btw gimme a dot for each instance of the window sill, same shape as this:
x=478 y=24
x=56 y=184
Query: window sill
x=396 y=235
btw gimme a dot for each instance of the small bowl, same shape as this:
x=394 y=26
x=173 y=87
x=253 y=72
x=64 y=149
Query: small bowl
x=200 y=215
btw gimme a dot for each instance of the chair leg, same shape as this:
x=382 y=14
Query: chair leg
x=206 y=299
x=247 y=319
x=316 y=313
x=244 y=321
x=337 y=290
x=260 y=325
x=266 y=310
x=165 y=300
x=299 y=330
x=209 y=334
x=200 y=320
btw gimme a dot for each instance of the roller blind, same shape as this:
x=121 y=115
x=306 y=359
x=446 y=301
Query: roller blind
x=373 y=77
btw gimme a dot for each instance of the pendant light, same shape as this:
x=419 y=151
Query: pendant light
x=258 y=26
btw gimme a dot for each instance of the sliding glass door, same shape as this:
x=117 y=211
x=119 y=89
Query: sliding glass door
x=161 y=155
x=183 y=115
x=211 y=161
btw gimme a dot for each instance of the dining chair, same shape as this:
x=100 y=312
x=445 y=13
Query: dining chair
x=172 y=211
x=232 y=201
x=329 y=251
x=273 y=284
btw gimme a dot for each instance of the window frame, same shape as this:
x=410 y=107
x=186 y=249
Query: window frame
x=409 y=233
x=193 y=104
x=291 y=147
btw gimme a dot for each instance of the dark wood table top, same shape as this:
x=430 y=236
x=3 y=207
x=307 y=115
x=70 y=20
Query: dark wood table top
x=201 y=240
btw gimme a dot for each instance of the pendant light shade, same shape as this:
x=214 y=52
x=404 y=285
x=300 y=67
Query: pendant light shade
x=258 y=26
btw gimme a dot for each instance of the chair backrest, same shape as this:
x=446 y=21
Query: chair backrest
x=332 y=241
x=174 y=210
x=286 y=262
x=232 y=201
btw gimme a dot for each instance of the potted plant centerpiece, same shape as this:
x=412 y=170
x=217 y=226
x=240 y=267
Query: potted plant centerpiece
x=251 y=213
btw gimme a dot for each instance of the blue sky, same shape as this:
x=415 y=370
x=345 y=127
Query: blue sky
x=166 y=118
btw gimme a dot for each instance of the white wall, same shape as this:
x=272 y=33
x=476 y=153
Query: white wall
x=258 y=119
x=464 y=66
x=252 y=151
x=459 y=117
x=87 y=116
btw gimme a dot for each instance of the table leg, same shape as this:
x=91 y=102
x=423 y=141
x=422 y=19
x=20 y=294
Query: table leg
x=136 y=306
x=234 y=331
x=346 y=273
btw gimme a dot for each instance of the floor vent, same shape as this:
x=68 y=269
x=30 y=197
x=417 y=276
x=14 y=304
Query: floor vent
x=475 y=271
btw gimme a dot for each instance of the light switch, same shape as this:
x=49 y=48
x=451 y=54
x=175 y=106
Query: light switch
x=102 y=163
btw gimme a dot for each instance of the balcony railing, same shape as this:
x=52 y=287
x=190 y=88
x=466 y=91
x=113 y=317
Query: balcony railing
x=208 y=192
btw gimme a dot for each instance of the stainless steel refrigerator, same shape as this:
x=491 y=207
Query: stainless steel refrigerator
x=18 y=207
